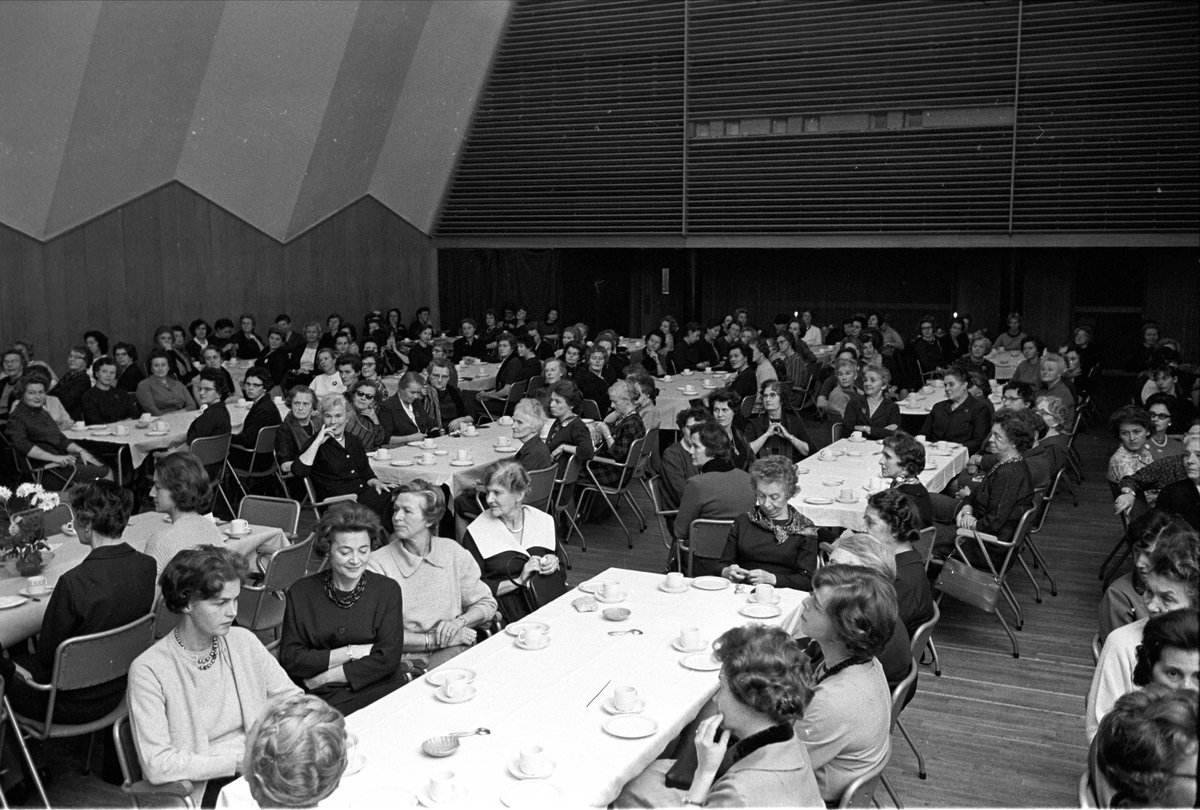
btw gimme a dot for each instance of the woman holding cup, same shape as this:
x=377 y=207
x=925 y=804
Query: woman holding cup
x=511 y=542
x=343 y=629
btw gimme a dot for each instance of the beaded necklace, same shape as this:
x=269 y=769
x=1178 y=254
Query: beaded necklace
x=343 y=602
x=204 y=662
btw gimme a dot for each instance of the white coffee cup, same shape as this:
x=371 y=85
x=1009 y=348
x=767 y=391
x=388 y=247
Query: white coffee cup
x=428 y=443
x=674 y=580
x=689 y=637
x=846 y=495
x=80 y=425
x=764 y=592
x=856 y=434
x=160 y=425
x=69 y=527
x=505 y=420
x=666 y=378
x=381 y=454
x=121 y=430
x=146 y=417
x=243 y=402
x=532 y=635
x=36 y=584
x=504 y=441
x=920 y=437
x=455 y=688
x=943 y=446
x=240 y=526
x=278 y=400
x=469 y=430
x=427 y=458
x=462 y=455
x=612 y=590
x=442 y=786
x=532 y=760
x=624 y=698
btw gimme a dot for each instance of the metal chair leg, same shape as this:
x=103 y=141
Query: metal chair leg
x=1041 y=560
x=891 y=792
x=1037 y=591
x=1011 y=636
x=33 y=772
x=920 y=759
x=1012 y=602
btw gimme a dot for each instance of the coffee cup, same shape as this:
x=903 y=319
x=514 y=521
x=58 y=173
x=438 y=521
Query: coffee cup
x=532 y=635
x=429 y=443
x=612 y=590
x=689 y=389
x=80 y=425
x=121 y=430
x=824 y=455
x=666 y=378
x=442 y=786
x=36 y=584
x=846 y=495
x=69 y=527
x=532 y=760
x=240 y=526
x=455 y=688
x=146 y=417
x=675 y=580
x=243 y=402
x=160 y=425
x=689 y=637
x=279 y=400
x=687 y=372
x=943 y=446
x=764 y=593
x=504 y=441
x=624 y=698
x=427 y=458
x=505 y=420
x=381 y=454
x=462 y=455
x=469 y=430
x=856 y=434
x=920 y=437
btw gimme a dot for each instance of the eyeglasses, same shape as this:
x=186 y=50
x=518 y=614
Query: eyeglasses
x=364 y=395
x=1166 y=416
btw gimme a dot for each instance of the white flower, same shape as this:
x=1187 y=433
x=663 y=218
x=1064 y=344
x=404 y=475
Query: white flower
x=49 y=501
x=5 y=494
x=27 y=489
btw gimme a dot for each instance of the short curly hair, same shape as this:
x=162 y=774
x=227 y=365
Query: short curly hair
x=346 y=518
x=775 y=470
x=508 y=474
x=766 y=670
x=183 y=476
x=862 y=608
x=1131 y=415
x=870 y=551
x=433 y=502
x=296 y=753
x=1179 y=629
x=195 y=574
x=1175 y=557
x=1017 y=428
x=1144 y=740
x=909 y=452
x=103 y=505
x=899 y=513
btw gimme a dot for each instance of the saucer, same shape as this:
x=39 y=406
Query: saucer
x=462 y=462
x=11 y=601
x=441 y=452
x=232 y=533
x=425 y=463
x=832 y=482
x=711 y=583
x=545 y=643
x=515 y=628
x=802 y=470
x=609 y=600
x=818 y=501
x=846 y=500
x=859 y=439
x=514 y=768
x=630 y=726
x=681 y=589
x=611 y=707
x=421 y=444
x=774 y=600
x=760 y=611
x=35 y=595
x=854 y=454
x=679 y=646
x=591 y=586
x=460 y=793
x=437 y=676
x=100 y=432
x=157 y=432
x=467 y=695
x=512 y=448
x=355 y=764
x=402 y=462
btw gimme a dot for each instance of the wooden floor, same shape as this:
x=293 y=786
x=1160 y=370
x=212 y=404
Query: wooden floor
x=994 y=730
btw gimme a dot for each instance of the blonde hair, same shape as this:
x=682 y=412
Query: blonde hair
x=296 y=753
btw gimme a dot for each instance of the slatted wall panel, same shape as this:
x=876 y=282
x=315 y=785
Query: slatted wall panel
x=815 y=73
x=1109 y=121
x=580 y=127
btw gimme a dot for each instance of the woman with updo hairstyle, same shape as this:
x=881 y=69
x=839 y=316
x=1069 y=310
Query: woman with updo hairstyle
x=1133 y=428
x=1170 y=651
x=763 y=691
x=512 y=542
x=772 y=543
x=901 y=462
x=296 y=754
x=1145 y=754
x=892 y=519
x=343 y=628
x=725 y=404
x=196 y=693
x=1029 y=370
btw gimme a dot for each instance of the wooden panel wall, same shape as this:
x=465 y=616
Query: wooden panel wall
x=172 y=256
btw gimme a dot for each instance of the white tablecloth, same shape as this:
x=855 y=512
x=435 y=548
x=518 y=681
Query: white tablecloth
x=481 y=448
x=477 y=376
x=23 y=621
x=672 y=400
x=1006 y=363
x=542 y=698
x=855 y=473
x=921 y=401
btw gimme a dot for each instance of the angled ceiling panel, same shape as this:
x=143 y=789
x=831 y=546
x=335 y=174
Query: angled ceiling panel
x=381 y=48
x=435 y=107
x=44 y=46
x=262 y=104
x=143 y=77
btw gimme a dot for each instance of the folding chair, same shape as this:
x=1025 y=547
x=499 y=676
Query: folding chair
x=612 y=494
x=52 y=521
x=654 y=486
x=898 y=695
x=26 y=470
x=81 y=662
x=495 y=409
x=983 y=588
x=164 y=620
x=861 y=792
x=835 y=431
x=808 y=393
x=540 y=494
x=213 y=451
x=140 y=792
x=312 y=503
x=1124 y=547
x=264 y=446
x=570 y=475
x=260 y=607
x=706 y=539
x=923 y=545
x=1039 y=561
x=1096 y=647
x=922 y=638
x=590 y=410
x=1059 y=479
x=281 y=513
x=747 y=406
x=6 y=718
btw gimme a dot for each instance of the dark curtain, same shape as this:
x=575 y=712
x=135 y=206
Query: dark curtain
x=474 y=280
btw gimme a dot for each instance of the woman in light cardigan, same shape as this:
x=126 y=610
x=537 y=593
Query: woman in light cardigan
x=195 y=694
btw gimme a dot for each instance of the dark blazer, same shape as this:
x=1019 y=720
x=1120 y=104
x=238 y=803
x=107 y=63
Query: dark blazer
x=276 y=361
x=716 y=494
x=396 y=422
x=337 y=470
x=745 y=384
x=476 y=348
x=593 y=388
x=263 y=413
x=677 y=468
x=929 y=355
x=249 y=347
x=533 y=455
x=130 y=377
x=70 y=390
x=858 y=413
x=967 y=424
x=112 y=405
x=212 y=421
x=914 y=597
x=291 y=437
x=1183 y=499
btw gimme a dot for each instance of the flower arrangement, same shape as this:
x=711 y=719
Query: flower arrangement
x=24 y=544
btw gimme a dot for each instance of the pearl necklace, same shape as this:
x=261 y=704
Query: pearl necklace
x=204 y=662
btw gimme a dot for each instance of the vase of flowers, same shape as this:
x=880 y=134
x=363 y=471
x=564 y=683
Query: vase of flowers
x=23 y=547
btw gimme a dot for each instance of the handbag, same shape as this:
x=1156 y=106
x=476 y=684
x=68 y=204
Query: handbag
x=970 y=585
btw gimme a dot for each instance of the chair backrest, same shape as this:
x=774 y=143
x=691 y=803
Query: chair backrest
x=706 y=538
x=747 y=406
x=211 y=450
x=923 y=545
x=286 y=566
x=649 y=445
x=127 y=755
x=835 y=431
x=590 y=410
x=516 y=392
x=282 y=513
x=631 y=462
x=541 y=488
x=262 y=607
x=921 y=637
x=265 y=441
x=861 y=792
x=536 y=383
x=900 y=693
x=164 y=620
x=56 y=518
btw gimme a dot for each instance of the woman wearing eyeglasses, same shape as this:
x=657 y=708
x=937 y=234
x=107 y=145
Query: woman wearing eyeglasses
x=1162 y=408
x=363 y=416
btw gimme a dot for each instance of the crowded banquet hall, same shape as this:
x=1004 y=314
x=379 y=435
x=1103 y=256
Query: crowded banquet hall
x=599 y=403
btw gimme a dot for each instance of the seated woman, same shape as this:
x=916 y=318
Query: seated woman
x=179 y=364
x=112 y=586
x=183 y=493
x=511 y=542
x=850 y=617
x=1171 y=584
x=593 y=379
x=161 y=393
x=837 y=389
x=724 y=404
x=104 y=402
x=262 y=414
x=995 y=506
x=1132 y=427
x=573 y=357
x=296 y=753
x=1011 y=339
x=303 y=361
x=774 y=431
x=977 y=386
x=326 y=379
x=616 y=441
x=959 y=417
x=1029 y=370
x=956 y=343
x=892 y=519
x=1182 y=497
x=13 y=369
x=297 y=429
x=871 y=412
x=214 y=416
x=343 y=628
x=211 y=357
x=901 y=461
x=772 y=543
x=195 y=694
x=277 y=358
x=1161 y=408
x=760 y=361
x=749 y=752
x=440 y=579
x=248 y=345
x=35 y=436
x=443 y=401
x=1145 y=752
x=1122 y=602
x=745 y=380
x=362 y=418
x=976 y=359
x=512 y=368
x=71 y=386
x=337 y=464
x=421 y=352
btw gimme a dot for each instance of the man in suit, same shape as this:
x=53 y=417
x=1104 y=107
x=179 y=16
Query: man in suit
x=399 y=415
x=720 y=491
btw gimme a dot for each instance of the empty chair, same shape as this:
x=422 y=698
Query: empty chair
x=281 y=513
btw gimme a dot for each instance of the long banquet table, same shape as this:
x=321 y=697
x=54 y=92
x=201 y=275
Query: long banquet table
x=444 y=469
x=20 y=622
x=855 y=473
x=549 y=697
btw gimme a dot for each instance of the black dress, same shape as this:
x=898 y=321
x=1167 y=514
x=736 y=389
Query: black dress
x=344 y=470
x=313 y=625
